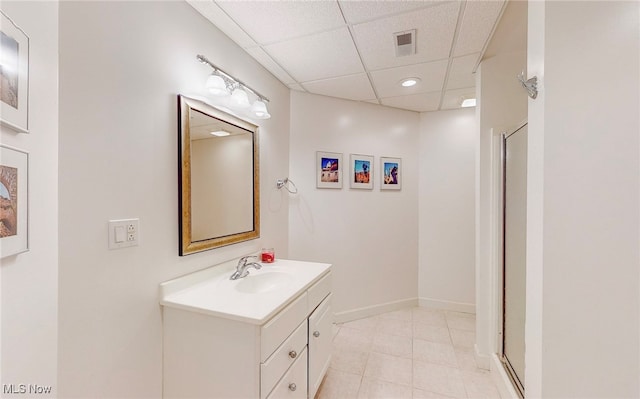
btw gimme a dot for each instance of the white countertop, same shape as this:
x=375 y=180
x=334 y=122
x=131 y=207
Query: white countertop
x=211 y=292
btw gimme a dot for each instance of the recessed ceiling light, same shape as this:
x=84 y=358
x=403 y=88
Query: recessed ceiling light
x=408 y=82
x=469 y=102
x=220 y=133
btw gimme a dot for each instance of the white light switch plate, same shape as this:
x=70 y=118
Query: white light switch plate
x=124 y=233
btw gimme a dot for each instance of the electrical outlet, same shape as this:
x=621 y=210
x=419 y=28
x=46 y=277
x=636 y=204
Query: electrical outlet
x=117 y=236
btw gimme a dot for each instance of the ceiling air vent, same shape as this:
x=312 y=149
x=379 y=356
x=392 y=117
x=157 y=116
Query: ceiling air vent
x=405 y=42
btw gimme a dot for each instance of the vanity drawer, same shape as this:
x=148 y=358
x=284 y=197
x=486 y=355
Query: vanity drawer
x=282 y=358
x=319 y=291
x=294 y=383
x=281 y=326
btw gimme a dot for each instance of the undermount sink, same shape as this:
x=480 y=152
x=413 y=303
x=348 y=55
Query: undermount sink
x=263 y=282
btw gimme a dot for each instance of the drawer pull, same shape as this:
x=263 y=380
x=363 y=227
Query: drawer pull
x=316 y=334
x=292 y=387
x=293 y=354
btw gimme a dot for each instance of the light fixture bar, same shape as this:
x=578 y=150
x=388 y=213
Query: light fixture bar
x=204 y=60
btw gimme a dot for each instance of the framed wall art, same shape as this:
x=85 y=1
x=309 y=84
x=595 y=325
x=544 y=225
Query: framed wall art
x=361 y=171
x=14 y=201
x=391 y=173
x=329 y=170
x=14 y=76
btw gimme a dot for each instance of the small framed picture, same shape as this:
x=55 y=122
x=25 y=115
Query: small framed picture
x=329 y=170
x=361 y=171
x=391 y=173
x=14 y=76
x=14 y=204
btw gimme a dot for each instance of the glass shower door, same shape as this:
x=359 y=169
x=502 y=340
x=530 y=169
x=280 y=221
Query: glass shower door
x=515 y=253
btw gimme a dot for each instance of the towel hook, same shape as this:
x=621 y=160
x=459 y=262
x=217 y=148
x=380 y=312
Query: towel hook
x=287 y=183
x=531 y=85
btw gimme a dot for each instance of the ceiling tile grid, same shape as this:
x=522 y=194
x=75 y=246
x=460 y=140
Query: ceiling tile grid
x=361 y=11
x=478 y=22
x=263 y=58
x=422 y=102
x=351 y=87
x=431 y=75
x=346 y=49
x=275 y=21
x=220 y=19
x=461 y=71
x=320 y=56
x=435 y=28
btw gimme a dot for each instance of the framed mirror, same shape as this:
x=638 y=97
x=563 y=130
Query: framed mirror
x=218 y=177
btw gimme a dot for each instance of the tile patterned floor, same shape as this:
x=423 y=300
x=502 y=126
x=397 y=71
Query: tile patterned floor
x=411 y=353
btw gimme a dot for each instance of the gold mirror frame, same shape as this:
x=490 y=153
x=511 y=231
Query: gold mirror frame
x=187 y=245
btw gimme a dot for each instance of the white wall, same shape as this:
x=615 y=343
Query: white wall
x=447 y=208
x=370 y=236
x=121 y=66
x=30 y=280
x=502 y=105
x=584 y=254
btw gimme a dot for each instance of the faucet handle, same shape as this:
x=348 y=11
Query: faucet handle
x=243 y=260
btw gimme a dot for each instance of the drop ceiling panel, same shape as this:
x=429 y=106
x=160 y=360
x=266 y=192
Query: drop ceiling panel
x=361 y=11
x=435 y=30
x=321 y=56
x=352 y=87
x=267 y=62
x=453 y=98
x=431 y=74
x=274 y=21
x=461 y=72
x=341 y=48
x=220 y=19
x=422 y=102
x=478 y=22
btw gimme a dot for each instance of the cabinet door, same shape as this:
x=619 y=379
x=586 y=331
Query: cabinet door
x=319 y=344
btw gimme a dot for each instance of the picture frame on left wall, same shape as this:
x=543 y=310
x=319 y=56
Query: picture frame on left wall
x=14 y=76
x=329 y=168
x=14 y=201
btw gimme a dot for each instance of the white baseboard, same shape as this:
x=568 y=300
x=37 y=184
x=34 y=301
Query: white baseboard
x=482 y=361
x=350 y=315
x=448 y=305
x=502 y=380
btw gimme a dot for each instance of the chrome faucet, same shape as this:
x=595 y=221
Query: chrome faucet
x=243 y=265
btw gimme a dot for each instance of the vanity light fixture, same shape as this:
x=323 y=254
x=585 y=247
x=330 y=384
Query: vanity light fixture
x=468 y=102
x=220 y=133
x=408 y=82
x=239 y=99
x=235 y=93
x=216 y=85
x=259 y=110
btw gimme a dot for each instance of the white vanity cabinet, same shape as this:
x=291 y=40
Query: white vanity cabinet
x=319 y=341
x=285 y=356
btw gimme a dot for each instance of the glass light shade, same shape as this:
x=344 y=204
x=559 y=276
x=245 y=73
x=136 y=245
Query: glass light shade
x=216 y=86
x=259 y=110
x=239 y=99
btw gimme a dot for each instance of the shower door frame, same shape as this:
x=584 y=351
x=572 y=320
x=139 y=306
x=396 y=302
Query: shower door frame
x=517 y=384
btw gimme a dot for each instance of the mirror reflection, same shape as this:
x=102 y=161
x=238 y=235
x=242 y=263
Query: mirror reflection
x=219 y=178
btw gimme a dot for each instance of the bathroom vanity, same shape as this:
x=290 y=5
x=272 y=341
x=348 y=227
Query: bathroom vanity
x=267 y=335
